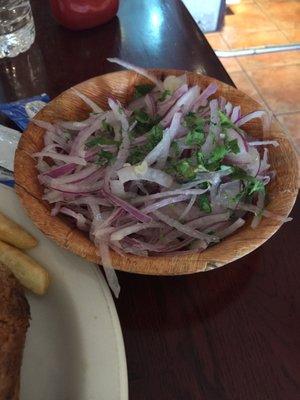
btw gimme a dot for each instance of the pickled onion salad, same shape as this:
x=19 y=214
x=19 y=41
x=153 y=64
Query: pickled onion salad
x=170 y=173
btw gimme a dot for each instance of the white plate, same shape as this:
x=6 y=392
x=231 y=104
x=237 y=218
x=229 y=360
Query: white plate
x=74 y=348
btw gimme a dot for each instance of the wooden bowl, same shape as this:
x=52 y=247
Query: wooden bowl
x=68 y=106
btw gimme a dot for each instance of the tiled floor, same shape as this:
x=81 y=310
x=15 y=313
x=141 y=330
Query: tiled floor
x=272 y=79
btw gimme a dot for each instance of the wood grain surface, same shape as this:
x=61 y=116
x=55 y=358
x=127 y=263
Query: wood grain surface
x=282 y=192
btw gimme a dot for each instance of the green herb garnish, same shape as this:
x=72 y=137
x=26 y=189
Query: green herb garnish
x=204 y=203
x=232 y=146
x=193 y=122
x=225 y=121
x=217 y=154
x=107 y=127
x=195 y=137
x=252 y=185
x=98 y=141
x=142 y=90
x=154 y=136
x=175 y=148
x=164 y=95
x=185 y=169
x=104 y=157
x=142 y=117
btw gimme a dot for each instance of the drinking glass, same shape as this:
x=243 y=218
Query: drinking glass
x=17 y=30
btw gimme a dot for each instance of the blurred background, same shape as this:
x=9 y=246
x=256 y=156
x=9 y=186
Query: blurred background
x=273 y=79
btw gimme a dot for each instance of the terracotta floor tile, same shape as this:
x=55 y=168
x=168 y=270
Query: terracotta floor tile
x=218 y=43
x=259 y=38
x=279 y=87
x=230 y=64
x=247 y=17
x=285 y=14
x=292 y=123
x=273 y=1
x=293 y=35
x=270 y=60
x=243 y=83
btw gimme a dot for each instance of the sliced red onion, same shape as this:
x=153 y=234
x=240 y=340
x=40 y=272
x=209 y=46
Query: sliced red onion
x=215 y=128
x=150 y=105
x=228 y=108
x=78 y=145
x=177 y=192
x=263 y=115
x=188 y=208
x=88 y=101
x=163 y=203
x=76 y=188
x=232 y=134
x=184 y=104
x=147 y=174
x=164 y=106
x=52 y=196
x=202 y=223
x=76 y=125
x=236 y=114
x=209 y=220
x=56 y=209
x=44 y=125
x=264 y=143
x=183 y=228
x=222 y=103
x=117 y=188
x=85 y=200
x=260 y=205
x=265 y=213
x=137 y=214
x=201 y=101
x=62 y=157
x=231 y=228
x=72 y=178
x=129 y=230
x=81 y=221
x=139 y=70
x=109 y=271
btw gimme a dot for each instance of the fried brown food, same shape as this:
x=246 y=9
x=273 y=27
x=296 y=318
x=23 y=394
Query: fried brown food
x=14 y=321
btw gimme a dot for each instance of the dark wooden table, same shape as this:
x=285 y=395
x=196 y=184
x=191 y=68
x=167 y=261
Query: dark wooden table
x=227 y=334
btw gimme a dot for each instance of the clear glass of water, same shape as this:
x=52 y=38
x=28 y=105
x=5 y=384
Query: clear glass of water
x=17 y=30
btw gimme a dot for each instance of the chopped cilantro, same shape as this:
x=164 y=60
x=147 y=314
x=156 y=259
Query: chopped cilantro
x=175 y=148
x=217 y=154
x=155 y=135
x=185 y=170
x=204 y=203
x=195 y=137
x=142 y=117
x=104 y=157
x=97 y=141
x=136 y=155
x=252 y=185
x=232 y=146
x=200 y=158
x=107 y=127
x=193 y=122
x=239 y=173
x=142 y=90
x=164 y=95
x=225 y=121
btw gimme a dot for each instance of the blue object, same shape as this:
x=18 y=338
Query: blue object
x=22 y=110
